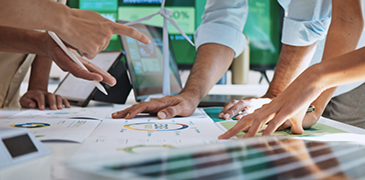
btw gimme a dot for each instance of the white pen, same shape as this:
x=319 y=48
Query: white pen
x=74 y=58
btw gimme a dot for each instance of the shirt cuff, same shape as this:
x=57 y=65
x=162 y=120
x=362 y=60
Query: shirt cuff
x=220 y=34
x=304 y=33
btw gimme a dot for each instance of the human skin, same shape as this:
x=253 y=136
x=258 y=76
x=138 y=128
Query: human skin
x=300 y=93
x=40 y=43
x=346 y=28
x=86 y=31
x=37 y=95
x=211 y=62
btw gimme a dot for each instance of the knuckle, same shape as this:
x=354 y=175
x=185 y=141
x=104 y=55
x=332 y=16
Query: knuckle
x=170 y=111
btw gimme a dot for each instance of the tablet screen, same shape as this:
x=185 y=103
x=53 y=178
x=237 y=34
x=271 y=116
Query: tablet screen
x=76 y=89
x=145 y=63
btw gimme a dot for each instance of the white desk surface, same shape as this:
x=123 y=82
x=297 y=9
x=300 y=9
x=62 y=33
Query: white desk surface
x=62 y=151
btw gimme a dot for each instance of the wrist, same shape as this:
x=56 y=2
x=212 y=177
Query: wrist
x=270 y=95
x=61 y=16
x=191 y=96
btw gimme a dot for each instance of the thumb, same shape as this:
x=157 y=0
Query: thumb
x=169 y=112
x=296 y=127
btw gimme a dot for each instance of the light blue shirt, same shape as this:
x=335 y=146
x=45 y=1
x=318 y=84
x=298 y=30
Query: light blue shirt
x=306 y=22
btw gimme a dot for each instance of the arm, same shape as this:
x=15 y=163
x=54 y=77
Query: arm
x=218 y=39
x=305 y=24
x=304 y=90
x=40 y=43
x=345 y=30
x=343 y=36
x=346 y=27
x=285 y=72
x=37 y=94
x=86 y=31
x=211 y=62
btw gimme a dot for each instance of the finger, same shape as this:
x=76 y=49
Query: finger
x=285 y=125
x=170 y=112
x=240 y=116
x=121 y=114
x=27 y=103
x=66 y=64
x=52 y=101
x=66 y=103
x=297 y=127
x=105 y=46
x=40 y=101
x=59 y=102
x=131 y=32
x=106 y=77
x=136 y=109
x=258 y=123
x=274 y=124
x=242 y=124
x=235 y=109
x=228 y=106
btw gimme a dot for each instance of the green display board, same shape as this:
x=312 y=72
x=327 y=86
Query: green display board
x=262 y=27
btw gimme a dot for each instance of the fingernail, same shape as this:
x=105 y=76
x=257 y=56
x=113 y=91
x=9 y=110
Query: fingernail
x=31 y=105
x=114 y=114
x=42 y=107
x=226 y=116
x=161 y=115
x=221 y=115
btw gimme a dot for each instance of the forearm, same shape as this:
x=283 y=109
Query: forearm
x=39 y=75
x=293 y=60
x=335 y=72
x=33 y=14
x=211 y=62
x=21 y=41
x=343 y=36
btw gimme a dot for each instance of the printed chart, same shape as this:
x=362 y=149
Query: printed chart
x=147 y=128
x=54 y=129
x=95 y=147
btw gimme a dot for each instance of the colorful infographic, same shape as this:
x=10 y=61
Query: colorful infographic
x=31 y=125
x=156 y=126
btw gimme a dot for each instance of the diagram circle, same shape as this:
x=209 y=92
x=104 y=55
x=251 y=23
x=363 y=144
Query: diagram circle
x=155 y=126
x=31 y=125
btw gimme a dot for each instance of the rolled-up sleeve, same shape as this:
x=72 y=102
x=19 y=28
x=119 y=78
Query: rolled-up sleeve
x=306 y=21
x=223 y=22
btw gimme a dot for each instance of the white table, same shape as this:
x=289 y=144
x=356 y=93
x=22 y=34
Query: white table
x=63 y=151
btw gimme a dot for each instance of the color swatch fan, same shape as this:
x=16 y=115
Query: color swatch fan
x=165 y=13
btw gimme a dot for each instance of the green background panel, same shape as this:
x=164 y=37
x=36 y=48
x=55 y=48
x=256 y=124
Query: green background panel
x=262 y=25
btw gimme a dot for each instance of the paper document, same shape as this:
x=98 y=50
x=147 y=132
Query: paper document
x=198 y=125
x=74 y=112
x=145 y=134
x=76 y=130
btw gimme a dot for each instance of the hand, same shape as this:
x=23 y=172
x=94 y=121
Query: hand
x=90 y=33
x=38 y=98
x=165 y=108
x=247 y=106
x=309 y=120
x=54 y=52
